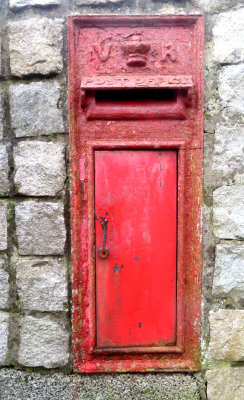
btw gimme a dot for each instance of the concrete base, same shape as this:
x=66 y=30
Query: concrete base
x=23 y=385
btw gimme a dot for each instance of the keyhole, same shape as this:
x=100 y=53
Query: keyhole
x=103 y=252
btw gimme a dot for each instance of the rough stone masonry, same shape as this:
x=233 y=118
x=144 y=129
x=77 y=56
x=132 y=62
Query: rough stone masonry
x=35 y=270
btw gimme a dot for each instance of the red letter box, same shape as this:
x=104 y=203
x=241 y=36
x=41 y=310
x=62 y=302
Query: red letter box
x=136 y=99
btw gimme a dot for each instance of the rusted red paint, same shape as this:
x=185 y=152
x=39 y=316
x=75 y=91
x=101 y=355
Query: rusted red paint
x=129 y=53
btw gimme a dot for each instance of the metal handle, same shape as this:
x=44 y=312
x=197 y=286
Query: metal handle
x=104 y=251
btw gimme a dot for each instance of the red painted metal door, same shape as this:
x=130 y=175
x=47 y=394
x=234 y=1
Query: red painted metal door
x=136 y=209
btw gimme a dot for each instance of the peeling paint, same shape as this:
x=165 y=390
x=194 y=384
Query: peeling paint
x=94 y=127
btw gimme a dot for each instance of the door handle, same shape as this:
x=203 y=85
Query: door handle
x=104 y=251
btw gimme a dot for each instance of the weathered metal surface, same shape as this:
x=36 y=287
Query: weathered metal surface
x=136 y=50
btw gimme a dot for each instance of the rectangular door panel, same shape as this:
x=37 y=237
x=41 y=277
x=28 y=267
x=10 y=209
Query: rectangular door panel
x=136 y=214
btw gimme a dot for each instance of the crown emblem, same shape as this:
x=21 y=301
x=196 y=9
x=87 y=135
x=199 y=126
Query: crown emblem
x=135 y=51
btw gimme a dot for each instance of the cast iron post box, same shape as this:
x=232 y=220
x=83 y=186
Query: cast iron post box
x=136 y=99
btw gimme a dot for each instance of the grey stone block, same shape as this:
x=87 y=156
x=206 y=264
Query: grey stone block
x=16 y=4
x=4 y=321
x=1 y=111
x=39 y=168
x=97 y=2
x=226 y=335
x=35 y=46
x=4 y=171
x=229 y=270
x=225 y=383
x=42 y=284
x=0 y=52
x=213 y=6
x=4 y=284
x=228 y=47
x=34 y=109
x=40 y=227
x=43 y=342
x=228 y=150
x=228 y=212
x=3 y=225
x=231 y=91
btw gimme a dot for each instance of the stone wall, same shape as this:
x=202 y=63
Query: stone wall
x=35 y=270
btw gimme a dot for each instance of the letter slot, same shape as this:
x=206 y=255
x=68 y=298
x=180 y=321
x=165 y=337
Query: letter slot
x=136 y=104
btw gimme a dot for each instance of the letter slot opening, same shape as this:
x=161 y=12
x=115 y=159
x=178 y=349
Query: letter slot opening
x=135 y=96
x=136 y=104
